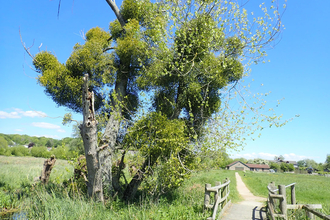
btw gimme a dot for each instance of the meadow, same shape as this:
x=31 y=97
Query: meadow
x=19 y=194
x=310 y=189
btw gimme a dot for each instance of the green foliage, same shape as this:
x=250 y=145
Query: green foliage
x=167 y=151
x=63 y=152
x=20 y=151
x=56 y=201
x=274 y=166
x=63 y=82
x=213 y=159
x=327 y=162
x=3 y=146
x=40 y=152
x=186 y=54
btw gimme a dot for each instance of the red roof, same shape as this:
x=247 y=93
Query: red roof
x=258 y=166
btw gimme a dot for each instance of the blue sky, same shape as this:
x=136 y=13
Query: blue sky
x=298 y=72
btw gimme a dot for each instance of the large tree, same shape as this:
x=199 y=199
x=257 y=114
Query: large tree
x=184 y=53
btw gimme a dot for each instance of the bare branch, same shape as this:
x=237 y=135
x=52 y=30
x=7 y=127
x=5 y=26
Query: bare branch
x=115 y=9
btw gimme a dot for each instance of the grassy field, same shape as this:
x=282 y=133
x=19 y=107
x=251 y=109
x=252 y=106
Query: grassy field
x=310 y=189
x=55 y=201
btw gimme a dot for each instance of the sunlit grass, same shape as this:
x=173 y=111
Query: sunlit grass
x=310 y=189
x=55 y=201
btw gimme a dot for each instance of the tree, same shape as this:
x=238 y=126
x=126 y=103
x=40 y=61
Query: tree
x=274 y=166
x=301 y=163
x=327 y=162
x=279 y=158
x=3 y=145
x=49 y=143
x=184 y=53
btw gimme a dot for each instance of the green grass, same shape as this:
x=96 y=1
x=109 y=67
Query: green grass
x=18 y=171
x=310 y=189
x=55 y=201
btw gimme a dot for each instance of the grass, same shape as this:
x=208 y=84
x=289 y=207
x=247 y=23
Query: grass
x=54 y=201
x=310 y=189
x=18 y=171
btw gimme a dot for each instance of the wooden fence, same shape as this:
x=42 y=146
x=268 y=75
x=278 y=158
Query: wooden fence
x=277 y=200
x=221 y=200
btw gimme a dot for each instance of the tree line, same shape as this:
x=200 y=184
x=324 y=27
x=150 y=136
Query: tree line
x=24 y=145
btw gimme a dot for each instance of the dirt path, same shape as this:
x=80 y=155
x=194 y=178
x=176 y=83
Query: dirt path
x=249 y=208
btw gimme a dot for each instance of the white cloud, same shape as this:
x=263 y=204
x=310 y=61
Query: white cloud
x=19 y=113
x=9 y=115
x=18 y=130
x=48 y=136
x=46 y=125
x=293 y=156
x=61 y=130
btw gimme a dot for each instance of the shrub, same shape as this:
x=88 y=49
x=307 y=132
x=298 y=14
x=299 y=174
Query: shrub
x=20 y=151
x=61 y=152
x=40 y=152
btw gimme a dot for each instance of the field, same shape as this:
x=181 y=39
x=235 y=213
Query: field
x=310 y=189
x=55 y=201
x=19 y=194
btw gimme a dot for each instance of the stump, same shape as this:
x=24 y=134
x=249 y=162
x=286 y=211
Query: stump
x=48 y=166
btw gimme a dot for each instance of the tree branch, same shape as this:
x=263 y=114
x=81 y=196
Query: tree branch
x=115 y=9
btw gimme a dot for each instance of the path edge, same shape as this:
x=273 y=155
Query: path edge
x=224 y=209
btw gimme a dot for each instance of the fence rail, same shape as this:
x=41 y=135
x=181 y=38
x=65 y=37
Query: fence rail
x=277 y=200
x=221 y=197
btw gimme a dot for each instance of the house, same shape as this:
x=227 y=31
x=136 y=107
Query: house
x=238 y=165
x=258 y=167
x=295 y=164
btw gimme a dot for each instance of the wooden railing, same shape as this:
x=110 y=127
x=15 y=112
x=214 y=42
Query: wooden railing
x=221 y=200
x=277 y=201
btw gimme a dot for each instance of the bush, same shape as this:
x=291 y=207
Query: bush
x=61 y=152
x=20 y=151
x=275 y=166
x=40 y=152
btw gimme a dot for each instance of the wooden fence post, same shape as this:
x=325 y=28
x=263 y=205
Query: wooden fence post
x=207 y=196
x=218 y=193
x=282 y=191
x=293 y=195
x=226 y=190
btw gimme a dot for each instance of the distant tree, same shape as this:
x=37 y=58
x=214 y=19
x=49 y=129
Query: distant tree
x=49 y=143
x=327 y=162
x=301 y=163
x=274 y=166
x=243 y=160
x=31 y=144
x=290 y=167
x=259 y=161
x=284 y=167
x=3 y=145
x=311 y=163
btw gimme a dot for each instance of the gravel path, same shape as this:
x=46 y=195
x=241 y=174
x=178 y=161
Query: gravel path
x=249 y=208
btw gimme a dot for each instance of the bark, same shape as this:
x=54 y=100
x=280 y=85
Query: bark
x=47 y=169
x=133 y=186
x=88 y=131
x=115 y=9
x=108 y=140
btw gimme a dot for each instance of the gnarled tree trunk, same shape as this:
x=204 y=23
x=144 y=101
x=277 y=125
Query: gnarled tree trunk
x=88 y=131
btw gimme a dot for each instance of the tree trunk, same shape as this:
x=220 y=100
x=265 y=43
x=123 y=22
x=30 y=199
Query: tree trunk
x=88 y=131
x=133 y=186
x=47 y=169
x=108 y=140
